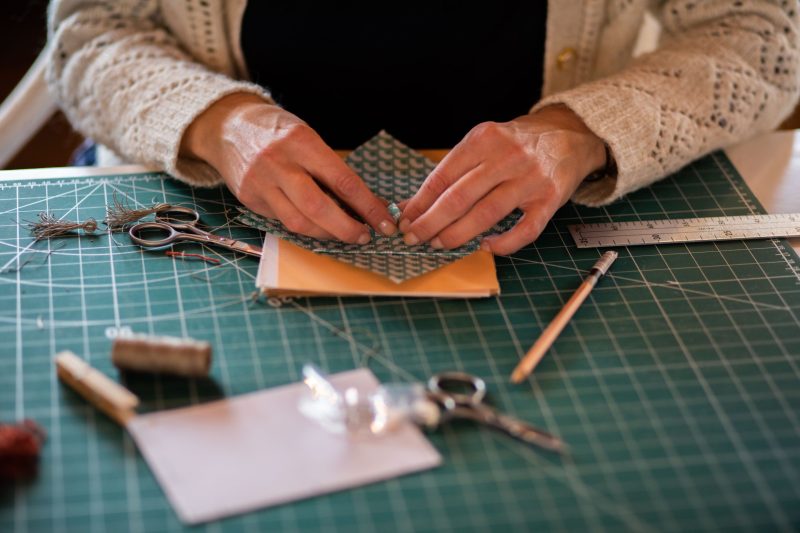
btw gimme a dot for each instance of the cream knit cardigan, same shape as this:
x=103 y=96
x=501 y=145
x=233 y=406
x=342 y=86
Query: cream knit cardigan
x=133 y=74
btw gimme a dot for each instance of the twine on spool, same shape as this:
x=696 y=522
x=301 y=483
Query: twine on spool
x=160 y=354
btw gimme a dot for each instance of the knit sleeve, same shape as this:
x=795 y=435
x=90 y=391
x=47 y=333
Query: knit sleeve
x=725 y=71
x=124 y=80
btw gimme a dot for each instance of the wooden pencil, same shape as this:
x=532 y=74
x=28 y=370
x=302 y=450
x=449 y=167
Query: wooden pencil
x=553 y=330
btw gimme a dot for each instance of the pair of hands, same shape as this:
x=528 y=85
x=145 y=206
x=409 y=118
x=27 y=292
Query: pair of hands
x=278 y=166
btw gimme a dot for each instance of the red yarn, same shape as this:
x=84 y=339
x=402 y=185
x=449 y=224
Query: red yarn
x=19 y=449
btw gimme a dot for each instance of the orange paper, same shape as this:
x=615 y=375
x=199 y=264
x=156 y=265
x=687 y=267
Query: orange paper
x=288 y=270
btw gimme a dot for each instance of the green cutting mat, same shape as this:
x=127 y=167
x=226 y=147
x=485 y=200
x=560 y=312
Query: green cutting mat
x=676 y=384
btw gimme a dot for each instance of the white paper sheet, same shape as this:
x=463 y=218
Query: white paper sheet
x=257 y=450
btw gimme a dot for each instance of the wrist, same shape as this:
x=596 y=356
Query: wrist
x=597 y=155
x=204 y=138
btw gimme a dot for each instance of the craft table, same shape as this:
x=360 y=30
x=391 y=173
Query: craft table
x=676 y=385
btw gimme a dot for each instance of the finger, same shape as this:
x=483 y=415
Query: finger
x=458 y=162
x=453 y=204
x=320 y=209
x=465 y=156
x=258 y=206
x=524 y=232
x=292 y=218
x=329 y=169
x=483 y=215
x=402 y=223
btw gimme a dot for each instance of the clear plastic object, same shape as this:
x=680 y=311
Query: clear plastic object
x=355 y=412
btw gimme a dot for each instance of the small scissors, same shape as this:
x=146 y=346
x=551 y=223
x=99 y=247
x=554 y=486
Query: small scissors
x=179 y=224
x=461 y=395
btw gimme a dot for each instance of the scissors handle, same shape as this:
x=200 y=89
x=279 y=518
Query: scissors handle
x=138 y=234
x=463 y=388
x=179 y=217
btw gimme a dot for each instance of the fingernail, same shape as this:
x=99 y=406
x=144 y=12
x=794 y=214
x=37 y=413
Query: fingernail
x=410 y=239
x=404 y=223
x=364 y=239
x=387 y=227
x=485 y=246
x=436 y=244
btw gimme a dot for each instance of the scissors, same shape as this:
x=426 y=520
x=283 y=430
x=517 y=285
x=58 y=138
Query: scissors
x=461 y=396
x=179 y=224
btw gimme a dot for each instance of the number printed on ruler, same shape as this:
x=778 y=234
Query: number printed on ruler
x=681 y=230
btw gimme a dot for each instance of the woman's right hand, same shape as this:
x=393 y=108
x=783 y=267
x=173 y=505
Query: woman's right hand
x=274 y=163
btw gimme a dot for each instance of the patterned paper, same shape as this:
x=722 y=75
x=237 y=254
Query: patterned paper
x=394 y=172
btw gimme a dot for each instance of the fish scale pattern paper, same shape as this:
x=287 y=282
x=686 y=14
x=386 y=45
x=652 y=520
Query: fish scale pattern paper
x=394 y=172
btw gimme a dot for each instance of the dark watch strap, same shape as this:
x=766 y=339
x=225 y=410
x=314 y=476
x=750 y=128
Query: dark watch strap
x=609 y=169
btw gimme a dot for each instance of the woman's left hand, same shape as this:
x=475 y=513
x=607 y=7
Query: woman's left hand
x=533 y=163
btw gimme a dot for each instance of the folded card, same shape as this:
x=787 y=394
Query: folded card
x=289 y=270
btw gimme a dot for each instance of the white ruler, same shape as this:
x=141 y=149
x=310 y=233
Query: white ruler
x=685 y=230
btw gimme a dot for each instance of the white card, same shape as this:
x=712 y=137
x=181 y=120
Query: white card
x=257 y=450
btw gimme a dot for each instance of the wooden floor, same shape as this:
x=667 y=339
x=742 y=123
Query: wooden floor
x=22 y=36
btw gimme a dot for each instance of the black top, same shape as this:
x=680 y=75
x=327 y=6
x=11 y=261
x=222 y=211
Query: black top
x=426 y=72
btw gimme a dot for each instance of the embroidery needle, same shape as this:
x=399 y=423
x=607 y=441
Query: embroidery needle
x=553 y=330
